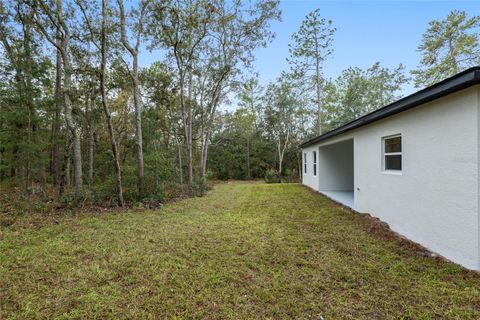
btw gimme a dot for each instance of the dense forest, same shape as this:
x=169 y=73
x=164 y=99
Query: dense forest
x=85 y=119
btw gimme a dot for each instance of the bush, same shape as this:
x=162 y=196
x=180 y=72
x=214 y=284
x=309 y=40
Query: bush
x=210 y=175
x=288 y=172
x=271 y=176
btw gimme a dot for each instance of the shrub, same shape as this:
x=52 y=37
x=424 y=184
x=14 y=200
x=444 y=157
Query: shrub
x=210 y=175
x=271 y=176
x=288 y=172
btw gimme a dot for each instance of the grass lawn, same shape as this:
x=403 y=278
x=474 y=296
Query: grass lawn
x=245 y=251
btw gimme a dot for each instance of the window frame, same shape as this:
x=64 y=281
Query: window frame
x=314 y=163
x=305 y=163
x=385 y=154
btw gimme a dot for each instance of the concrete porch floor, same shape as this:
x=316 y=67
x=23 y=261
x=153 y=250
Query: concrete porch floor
x=343 y=197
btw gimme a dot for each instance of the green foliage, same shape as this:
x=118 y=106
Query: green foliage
x=24 y=80
x=309 y=49
x=209 y=175
x=312 y=44
x=239 y=150
x=208 y=46
x=288 y=172
x=246 y=143
x=448 y=47
x=357 y=92
x=272 y=176
x=161 y=175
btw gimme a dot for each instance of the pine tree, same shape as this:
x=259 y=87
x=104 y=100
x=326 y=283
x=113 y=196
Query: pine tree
x=311 y=46
x=448 y=47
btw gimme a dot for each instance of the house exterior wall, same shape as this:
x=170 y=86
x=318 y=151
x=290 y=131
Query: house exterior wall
x=335 y=167
x=308 y=178
x=435 y=199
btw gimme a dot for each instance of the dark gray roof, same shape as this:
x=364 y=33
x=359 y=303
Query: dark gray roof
x=455 y=83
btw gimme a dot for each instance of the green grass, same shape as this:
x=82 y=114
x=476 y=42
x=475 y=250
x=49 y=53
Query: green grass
x=245 y=251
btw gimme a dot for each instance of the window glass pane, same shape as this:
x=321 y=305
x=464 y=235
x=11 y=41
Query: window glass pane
x=393 y=144
x=393 y=162
x=315 y=169
x=314 y=157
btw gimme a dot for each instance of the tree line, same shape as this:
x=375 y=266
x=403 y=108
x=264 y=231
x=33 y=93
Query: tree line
x=78 y=110
x=85 y=118
x=303 y=103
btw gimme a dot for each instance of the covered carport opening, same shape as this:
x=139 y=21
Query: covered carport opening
x=335 y=171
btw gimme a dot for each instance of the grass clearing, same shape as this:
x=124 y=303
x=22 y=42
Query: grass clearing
x=245 y=251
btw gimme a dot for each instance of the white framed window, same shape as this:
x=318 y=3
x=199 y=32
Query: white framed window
x=305 y=163
x=392 y=153
x=314 y=163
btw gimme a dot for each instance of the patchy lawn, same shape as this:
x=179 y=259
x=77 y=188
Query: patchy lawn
x=244 y=251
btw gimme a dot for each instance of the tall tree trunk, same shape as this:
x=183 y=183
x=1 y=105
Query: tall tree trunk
x=281 y=151
x=138 y=129
x=68 y=164
x=203 y=164
x=91 y=133
x=65 y=174
x=189 y=133
x=2 y=164
x=249 y=176
x=136 y=91
x=29 y=93
x=54 y=163
x=67 y=87
x=77 y=163
x=180 y=162
x=91 y=150
x=118 y=171
x=319 y=98
x=280 y=161
x=56 y=14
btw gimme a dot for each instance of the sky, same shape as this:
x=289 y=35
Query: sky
x=367 y=31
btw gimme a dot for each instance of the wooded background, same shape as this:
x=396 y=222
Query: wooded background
x=82 y=122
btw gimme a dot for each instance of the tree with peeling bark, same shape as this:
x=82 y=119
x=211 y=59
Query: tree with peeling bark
x=249 y=115
x=102 y=46
x=310 y=47
x=161 y=92
x=283 y=116
x=51 y=22
x=236 y=32
x=138 y=30
x=21 y=49
x=151 y=128
x=181 y=27
x=103 y=91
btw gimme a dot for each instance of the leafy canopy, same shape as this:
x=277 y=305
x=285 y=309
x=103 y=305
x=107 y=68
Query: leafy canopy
x=357 y=92
x=448 y=47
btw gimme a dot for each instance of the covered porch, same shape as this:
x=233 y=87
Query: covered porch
x=336 y=172
x=344 y=197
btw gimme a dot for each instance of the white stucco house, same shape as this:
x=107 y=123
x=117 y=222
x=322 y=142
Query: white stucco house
x=414 y=164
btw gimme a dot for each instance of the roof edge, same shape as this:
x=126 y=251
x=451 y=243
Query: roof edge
x=462 y=80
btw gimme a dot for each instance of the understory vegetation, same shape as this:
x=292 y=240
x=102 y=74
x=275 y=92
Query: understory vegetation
x=116 y=119
x=244 y=251
x=106 y=103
